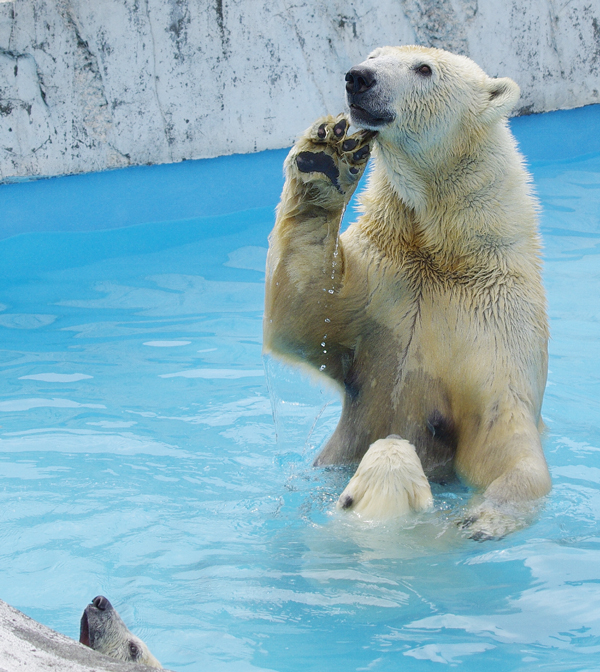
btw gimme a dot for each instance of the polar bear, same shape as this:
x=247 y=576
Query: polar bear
x=429 y=311
x=103 y=630
x=389 y=481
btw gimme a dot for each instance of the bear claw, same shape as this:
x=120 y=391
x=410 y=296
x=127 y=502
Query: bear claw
x=467 y=522
x=326 y=149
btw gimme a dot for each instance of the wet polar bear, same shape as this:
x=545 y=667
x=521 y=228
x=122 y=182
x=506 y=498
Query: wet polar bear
x=429 y=311
x=102 y=629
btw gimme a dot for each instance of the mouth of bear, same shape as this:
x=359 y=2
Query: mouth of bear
x=362 y=117
x=84 y=632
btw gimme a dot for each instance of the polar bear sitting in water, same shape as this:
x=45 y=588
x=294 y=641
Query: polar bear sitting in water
x=429 y=311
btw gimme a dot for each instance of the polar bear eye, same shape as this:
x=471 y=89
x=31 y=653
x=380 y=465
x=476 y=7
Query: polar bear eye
x=134 y=651
x=424 y=70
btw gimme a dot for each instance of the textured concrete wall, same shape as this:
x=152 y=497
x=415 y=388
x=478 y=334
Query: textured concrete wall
x=86 y=86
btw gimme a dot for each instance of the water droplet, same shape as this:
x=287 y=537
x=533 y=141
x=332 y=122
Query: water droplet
x=323 y=345
x=322 y=367
x=327 y=320
x=331 y=291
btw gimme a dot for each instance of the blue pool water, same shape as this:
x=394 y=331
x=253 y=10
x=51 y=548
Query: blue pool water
x=139 y=457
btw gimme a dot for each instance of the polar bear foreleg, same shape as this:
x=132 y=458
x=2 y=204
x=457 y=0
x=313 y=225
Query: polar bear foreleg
x=305 y=264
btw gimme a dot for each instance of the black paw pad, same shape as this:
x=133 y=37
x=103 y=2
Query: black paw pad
x=322 y=131
x=319 y=162
x=362 y=153
x=354 y=170
x=349 y=145
x=340 y=128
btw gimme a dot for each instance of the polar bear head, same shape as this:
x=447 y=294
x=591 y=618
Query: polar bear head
x=441 y=124
x=425 y=99
x=103 y=630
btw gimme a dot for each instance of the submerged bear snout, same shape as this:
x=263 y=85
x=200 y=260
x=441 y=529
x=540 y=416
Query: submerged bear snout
x=100 y=602
x=360 y=79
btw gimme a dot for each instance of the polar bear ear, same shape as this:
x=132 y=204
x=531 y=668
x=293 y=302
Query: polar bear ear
x=502 y=94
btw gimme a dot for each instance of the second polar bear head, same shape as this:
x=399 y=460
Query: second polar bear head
x=103 y=630
x=422 y=98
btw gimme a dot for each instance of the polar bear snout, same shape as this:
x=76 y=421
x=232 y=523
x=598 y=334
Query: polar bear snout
x=93 y=620
x=102 y=603
x=368 y=109
x=359 y=79
x=102 y=629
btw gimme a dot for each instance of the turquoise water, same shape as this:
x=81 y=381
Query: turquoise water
x=139 y=457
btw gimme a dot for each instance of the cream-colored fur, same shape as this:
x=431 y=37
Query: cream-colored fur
x=103 y=630
x=388 y=483
x=429 y=311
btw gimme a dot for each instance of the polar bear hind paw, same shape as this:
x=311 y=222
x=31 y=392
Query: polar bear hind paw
x=388 y=483
x=490 y=521
x=328 y=158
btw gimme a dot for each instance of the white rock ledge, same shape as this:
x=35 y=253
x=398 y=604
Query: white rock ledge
x=30 y=646
x=87 y=86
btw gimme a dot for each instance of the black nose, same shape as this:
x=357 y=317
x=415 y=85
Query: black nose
x=360 y=79
x=100 y=602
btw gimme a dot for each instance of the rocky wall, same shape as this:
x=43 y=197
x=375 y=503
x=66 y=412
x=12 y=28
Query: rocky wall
x=88 y=86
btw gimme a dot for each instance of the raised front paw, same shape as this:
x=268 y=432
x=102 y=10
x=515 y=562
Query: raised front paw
x=388 y=483
x=328 y=161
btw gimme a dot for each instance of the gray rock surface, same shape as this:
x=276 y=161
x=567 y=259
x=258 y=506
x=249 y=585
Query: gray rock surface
x=86 y=86
x=29 y=646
